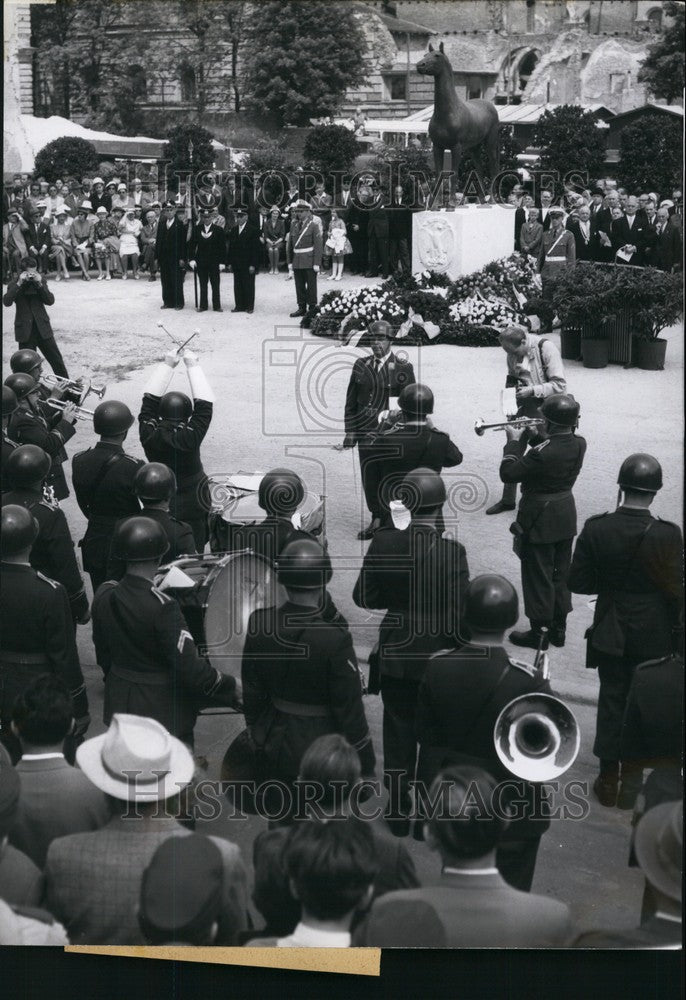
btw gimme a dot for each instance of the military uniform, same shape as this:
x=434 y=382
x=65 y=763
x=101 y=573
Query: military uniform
x=371 y=386
x=179 y=536
x=420 y=579
x=53 y=553
x=267 y=538
x=103 y=483
x=547 y=521
x=27 y=427
x=178 y=447
x=149 y=659
x=638 y=577
x=8 y=446
x=460 y=698
x=301 y=681
x=304 y=248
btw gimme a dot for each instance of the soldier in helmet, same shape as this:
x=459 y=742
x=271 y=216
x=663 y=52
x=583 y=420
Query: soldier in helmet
x=143 y=644
x=409 y=443
x=103 y=482
x=9 y=405
x=299 y=670
x=172 y=429
x=546 y=520
x=633 y=562
x=419 y=578
x=37 y=636
x=375 y=385
x=154 y=485
x=53 y=550
x=461 y=695
x=28 y=425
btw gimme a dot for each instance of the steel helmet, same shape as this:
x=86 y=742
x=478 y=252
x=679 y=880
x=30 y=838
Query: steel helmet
x=112 y=417
x=175 y=406
x=18 y=529
x=416 y=400
x=25 y=361
x=640 y=472
x=21 y=384
x=26 y=465
x=281 y=491
x=421 y=490
x=561 y=410
x=139 y=539
x=304 y=565
x=154 y=481
x=491 y=603
x=9 y=401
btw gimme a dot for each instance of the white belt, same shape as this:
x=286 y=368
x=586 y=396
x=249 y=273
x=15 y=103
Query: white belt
x=303 y=249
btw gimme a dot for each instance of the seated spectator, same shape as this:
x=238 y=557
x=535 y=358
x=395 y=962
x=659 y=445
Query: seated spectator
x=21 y=882
x=82 y=238
x=121 y=198
x=62 y=247
x=181 y=892
x=39 y=239
x=54 y=201
x=129 y=230
x=331 y=869
x=472 y=904
x=56 y=799
x=105 y=244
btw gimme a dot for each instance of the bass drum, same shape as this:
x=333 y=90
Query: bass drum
x=231 y=513
x=217 y=594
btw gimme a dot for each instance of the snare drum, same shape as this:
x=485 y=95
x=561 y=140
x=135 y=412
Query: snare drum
x=222 y=593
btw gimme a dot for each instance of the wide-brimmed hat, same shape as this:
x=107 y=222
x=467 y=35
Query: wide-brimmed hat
x=98 y=180
x=101 y=210
x=121 y=187
x=85 y=206
x=136 y=760
x=301 y=203
x=658 y=846
x=62 y=210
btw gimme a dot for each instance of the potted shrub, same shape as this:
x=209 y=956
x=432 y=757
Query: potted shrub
x=653 y=300
x=584 y=298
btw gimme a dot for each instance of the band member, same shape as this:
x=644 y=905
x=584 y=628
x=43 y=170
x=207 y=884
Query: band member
x=419 y=578
x=633 y=562
x=546 y=520
x=27 y=425
x=103 y=479
x=304 y=247
x=30 y=293
x=143 y=645
x=9 y=405
x=375 y=385
x=534 y=368
x=53 y=550
x=409 y=443
x=243 y=255
x=461 y=695
x=172 y=429
x=207 y=252
x=37 y=636
x=171 y=254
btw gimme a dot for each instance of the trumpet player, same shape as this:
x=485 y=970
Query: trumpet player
x=535 y=370
x=30 y=294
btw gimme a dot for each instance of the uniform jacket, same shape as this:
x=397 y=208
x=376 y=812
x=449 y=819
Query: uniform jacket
x=304 y=244
x=37 y=622
x=170 y=243
x=8 y=446
x=30 y=301
x=175 y=445
x=640 y=591
x=28 y=427
x=556 y=250
x=546 y=471
x=369 y=391
x=653 y=718
x=267 y=538
x=113 y=497
x=419 y=579
x=295 y=656
x=243 y=249
x=149 y=659
x=56 y=800
x=207 y=245
x=93 y=881
x=179 y=535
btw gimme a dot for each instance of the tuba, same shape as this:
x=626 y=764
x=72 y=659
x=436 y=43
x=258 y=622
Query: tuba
x=536 y=737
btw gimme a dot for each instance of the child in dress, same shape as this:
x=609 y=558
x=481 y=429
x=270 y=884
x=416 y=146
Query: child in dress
x=338 y=244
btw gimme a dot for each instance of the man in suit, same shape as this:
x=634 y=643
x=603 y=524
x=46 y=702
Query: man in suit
x=472 y=906
x=244 y=257
x=357 y=221
x=377 y=235
x=545 y=206
x=206 y=254
x=170 y=251
x=21 y=881
x=531 y=234
x=667 y=250
x=30 y=293
x=399 y=232
x=582 y=231
x=56 y=798
x=93 y=879
x=602 y=227
x=39 y=239
x=519 y=217
x=630 y=235
x=138 y=197
x=375 y=385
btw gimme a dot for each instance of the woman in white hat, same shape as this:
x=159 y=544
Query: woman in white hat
x=82 y=238
x=105 y=243
x=129 y=231
x=55 y=200
x=121 y=198
x=62 y=247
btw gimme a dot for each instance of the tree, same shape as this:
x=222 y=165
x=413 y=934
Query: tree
x=50 y=29
x=66 y=157
x=177 y=151
x=569 y=140
x=650 y=154
x=300 y=58
x=270 y=154
x=663 y=68
x=330 y=147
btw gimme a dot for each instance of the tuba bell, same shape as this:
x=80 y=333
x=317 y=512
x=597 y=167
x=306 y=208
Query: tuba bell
x=536 y=737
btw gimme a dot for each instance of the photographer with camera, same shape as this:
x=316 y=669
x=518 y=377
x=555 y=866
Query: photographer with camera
x=32 y=327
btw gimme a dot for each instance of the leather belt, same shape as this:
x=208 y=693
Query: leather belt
x=29 y=658
x=141 y=676
x=562 y=495
x=295 y=708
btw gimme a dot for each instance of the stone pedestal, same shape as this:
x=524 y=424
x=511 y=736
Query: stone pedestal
x=461 y=241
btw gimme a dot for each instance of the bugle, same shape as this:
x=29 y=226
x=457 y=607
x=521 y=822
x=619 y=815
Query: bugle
x=80 y=387
x=61 y=404
x=480 y=427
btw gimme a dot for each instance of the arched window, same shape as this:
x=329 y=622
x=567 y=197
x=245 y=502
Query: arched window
x=139 y=82
x=526 y=68
x=187 y=76
x=654 y=19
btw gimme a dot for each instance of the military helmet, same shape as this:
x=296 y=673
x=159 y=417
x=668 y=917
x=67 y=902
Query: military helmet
x=27 y=464
x=640 y=472
x=9 y=401
x=154 y=481
x=25 y=361
x=21 y=384
x=281 y=491
x=18 y=529
x=175 y=406
x=561 y=410
x=421 y=490
x=140 y=539
x=112 y=418
x=304 y=565
x=416 y=400
x=491 y=603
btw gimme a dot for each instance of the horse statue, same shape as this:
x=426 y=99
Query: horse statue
x=457 y=125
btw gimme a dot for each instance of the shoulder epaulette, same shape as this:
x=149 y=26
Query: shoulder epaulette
x=161 y=596
x=596 y=517
x=542 y=445
x=78 y=454
x=670 y=523
x=527 y=668
x=53 y=583
x=132 y=458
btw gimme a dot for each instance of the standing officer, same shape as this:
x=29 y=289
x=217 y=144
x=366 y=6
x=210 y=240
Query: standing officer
x=143 y=645
x=409 y=443
x=243 y=254
x=171 y=429
x=419 y=579
x=154 y=484
x=170 y=251
x=37 y=636
x=103 y=479
x=27 y=425
x=375 y=385
x=462 y=693
x=633 y=562
x=546 y=520
x=304 y=247
x=9 y=405
x=558 y=251
x=53 y=549
x=207 y=253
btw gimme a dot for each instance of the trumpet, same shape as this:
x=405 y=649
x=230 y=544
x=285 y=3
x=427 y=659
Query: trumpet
x=480 y=427
x=81 y=412
x=81 y=387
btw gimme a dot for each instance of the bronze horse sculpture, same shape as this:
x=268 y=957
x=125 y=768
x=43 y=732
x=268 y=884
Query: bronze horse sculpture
x=457 y=125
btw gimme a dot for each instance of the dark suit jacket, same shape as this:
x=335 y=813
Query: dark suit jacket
x=170 y=244
x=667 y=250
x=244 y=248
x=378 y=220
x=208 y=250
x=585 y=249
x=638 y=235
x=368 y=393
x=30 y=303
x=399 y=221
x=519 y=220
x=21 y=882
